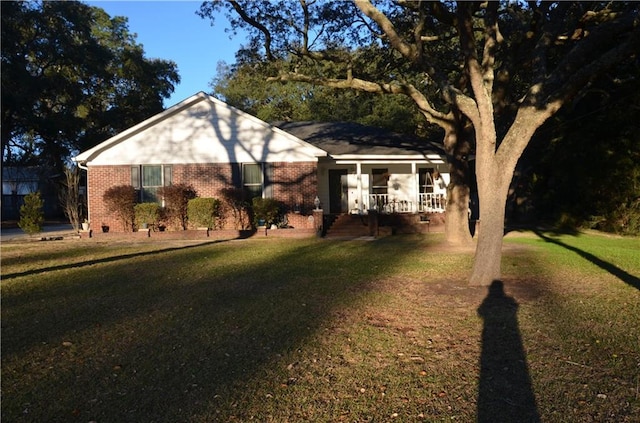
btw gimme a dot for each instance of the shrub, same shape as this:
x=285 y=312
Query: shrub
x=624 y=220
x=202 y=212
x=268 y=210
x=31 y=213
x=121 y=200
x=176 y=197
x=233 y=200
x=70 y=198
x=146 y=214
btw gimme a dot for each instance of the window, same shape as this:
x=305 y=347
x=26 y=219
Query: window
x=426 y=180
x=252 y=180
x=147 y=179
x=380 y=178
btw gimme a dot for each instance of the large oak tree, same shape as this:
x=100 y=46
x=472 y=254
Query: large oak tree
x=72 y=76
x=489 y=72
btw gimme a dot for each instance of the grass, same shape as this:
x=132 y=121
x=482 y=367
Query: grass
x=315 y=330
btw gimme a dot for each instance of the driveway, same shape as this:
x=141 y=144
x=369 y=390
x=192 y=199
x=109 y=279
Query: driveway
x=50 y=230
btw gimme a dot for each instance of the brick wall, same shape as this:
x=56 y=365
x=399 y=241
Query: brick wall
x=100 y=179
x=207 y=179
x=293 y=184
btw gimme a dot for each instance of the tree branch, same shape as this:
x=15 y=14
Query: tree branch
x=407 y=50
x=248 y=19
x=542 y=101
x=482 y=113
x=434 y=116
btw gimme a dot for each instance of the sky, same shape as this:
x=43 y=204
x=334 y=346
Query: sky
x=171 y=30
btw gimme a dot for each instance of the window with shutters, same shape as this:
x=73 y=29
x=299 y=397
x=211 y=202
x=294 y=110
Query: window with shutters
x=147 y=179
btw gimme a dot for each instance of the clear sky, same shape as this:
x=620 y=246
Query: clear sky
x=171 y=30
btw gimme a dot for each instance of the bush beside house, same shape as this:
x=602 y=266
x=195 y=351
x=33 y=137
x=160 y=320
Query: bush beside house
x=176 y=198
x=234 y=206
x=121 y=200
x=266 y=211
x=202 y=212
x=146 y=215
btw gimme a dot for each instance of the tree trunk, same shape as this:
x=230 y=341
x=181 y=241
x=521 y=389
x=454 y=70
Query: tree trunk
x=494 y=177
x=456 y=224
x=457 y=144
x=488 y=258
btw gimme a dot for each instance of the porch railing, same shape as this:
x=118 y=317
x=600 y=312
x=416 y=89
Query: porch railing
x=384 y=203
x=432 y=203
x=427 y=203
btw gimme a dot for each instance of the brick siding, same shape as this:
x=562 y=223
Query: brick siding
x=295 y=184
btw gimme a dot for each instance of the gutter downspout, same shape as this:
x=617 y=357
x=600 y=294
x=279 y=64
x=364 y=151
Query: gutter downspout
x=86 y=193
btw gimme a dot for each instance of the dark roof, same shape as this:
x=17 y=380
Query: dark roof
x=337 y=138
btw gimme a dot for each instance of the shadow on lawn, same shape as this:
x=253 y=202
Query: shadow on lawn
x=102 y=260
x=611 y=268
x=159 y=339
x=505 y=393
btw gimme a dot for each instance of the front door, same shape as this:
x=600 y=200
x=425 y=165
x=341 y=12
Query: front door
x=338 y=191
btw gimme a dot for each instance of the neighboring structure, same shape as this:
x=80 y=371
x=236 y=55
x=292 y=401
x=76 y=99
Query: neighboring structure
x=18 y=181
x=206 y=143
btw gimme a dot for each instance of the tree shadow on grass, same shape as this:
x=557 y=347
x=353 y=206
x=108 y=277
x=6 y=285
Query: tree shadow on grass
x=505 y=393
x=42 y=270
x=621 y=274
x=186 y=336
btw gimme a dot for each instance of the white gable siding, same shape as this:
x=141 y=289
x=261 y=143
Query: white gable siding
x=207 y=131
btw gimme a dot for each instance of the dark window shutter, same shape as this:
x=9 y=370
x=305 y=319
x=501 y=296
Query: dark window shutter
x=135 y=176
x=236 y=175
x=268 y=180
x=168 y=176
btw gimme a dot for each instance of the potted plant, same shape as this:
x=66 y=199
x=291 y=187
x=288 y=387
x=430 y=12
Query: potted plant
x=85 y=225
x=146 y=214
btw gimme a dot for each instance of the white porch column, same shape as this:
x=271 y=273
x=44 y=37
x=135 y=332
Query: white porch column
x=416 y=187
x=359 y=185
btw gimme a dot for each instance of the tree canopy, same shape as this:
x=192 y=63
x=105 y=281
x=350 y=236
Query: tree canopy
x=486 y=72
x=71 y=77
x=240 y=86
x=582 y=168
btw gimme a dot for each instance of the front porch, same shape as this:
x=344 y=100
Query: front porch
x=386 y=187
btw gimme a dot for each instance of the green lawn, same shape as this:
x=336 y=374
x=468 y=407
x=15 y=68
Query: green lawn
x=315 y=330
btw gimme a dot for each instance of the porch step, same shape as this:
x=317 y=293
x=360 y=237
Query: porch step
x=348 y=226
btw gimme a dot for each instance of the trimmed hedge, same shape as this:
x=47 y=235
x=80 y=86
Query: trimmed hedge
x=146 y=213
x=202 y=212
